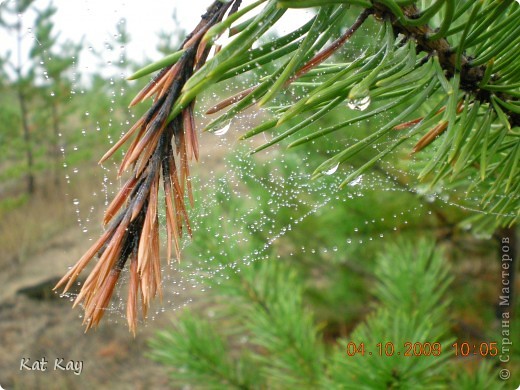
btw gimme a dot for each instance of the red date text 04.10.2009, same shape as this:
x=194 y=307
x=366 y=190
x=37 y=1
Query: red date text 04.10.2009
x=412 y=349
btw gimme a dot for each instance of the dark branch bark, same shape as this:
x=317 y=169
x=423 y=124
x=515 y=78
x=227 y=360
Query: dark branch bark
x=470 y=76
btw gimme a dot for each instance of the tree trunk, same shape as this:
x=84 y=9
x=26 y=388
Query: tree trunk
x=24 y=114
x=56 y=143
x=28 y=147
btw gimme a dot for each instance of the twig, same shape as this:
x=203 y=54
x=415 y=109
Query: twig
x=131 y=220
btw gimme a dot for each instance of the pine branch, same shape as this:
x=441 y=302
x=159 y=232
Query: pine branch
x=198 y=354
x=411 y=284
x=484 y=87
x=471 y=75
x=131 y=220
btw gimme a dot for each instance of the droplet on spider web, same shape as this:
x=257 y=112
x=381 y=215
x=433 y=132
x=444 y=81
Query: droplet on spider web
x=357 y=181
x=223 y=130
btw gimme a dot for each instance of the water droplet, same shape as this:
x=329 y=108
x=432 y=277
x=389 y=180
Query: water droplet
x=359 y=104
x=52 y=93
x=357 y=181
x=482 y=235
x=75 y=202
x=223 y=130
x=332 y=170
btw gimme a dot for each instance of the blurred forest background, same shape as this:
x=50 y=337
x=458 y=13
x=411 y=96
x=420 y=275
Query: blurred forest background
x=282 y=273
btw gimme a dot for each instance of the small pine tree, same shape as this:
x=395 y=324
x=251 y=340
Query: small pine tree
x=262 y=335
x=55 y=60
x=24 y=75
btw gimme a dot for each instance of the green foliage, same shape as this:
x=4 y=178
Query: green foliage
x=170 y=40
x=9 y=117
x=398 y=287
x=199 y=349
x=263 y=322
x=54 y=58
x=482 y=379
x=44 y=37
x=13 y=7
x=267 y=306
x=59 y=132
x=452 y=61
x=9 y=204
x=410 y=289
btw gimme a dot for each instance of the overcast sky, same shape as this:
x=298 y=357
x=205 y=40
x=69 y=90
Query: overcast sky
x=96 y=21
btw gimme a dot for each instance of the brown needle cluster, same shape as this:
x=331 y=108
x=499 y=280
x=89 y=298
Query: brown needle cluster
x=159 y=152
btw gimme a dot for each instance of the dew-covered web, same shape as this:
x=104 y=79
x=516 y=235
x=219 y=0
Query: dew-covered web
x=248 y=209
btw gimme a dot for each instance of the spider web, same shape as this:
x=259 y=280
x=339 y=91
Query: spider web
x=253 y=209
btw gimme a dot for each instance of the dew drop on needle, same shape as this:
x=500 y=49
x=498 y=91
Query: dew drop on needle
x=359 y=104
x=332 y=170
